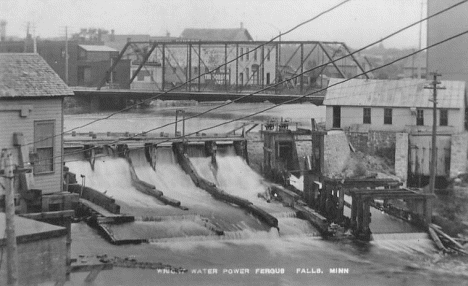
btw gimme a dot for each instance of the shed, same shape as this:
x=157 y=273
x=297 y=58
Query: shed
x=394 y=105
x=31 y=118
x=42 y=252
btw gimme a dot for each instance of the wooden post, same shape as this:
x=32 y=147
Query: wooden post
x=12 y=248
x=353 y=212
x=341 y=204
x=358 y=215
x=365 y=219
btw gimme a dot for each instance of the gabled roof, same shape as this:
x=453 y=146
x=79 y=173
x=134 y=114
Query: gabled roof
x=29 y=75
x=238 y=34
x=95 y=48
x=393 y=93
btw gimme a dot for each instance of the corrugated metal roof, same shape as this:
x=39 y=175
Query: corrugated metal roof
x=394 y=93
x=29 y=75
x=93 y=48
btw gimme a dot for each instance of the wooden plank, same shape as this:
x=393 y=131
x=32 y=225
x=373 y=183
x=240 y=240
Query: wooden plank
x=49 y=215
x=436 y=239
x=450 y=239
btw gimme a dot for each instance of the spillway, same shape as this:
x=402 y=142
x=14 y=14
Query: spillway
x=112 y=177
x=169 y=177
x=233 y=175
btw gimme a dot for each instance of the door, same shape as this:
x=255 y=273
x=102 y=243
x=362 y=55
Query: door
x=336 y=116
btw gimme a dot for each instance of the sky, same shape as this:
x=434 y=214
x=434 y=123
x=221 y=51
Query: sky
x=357 y=23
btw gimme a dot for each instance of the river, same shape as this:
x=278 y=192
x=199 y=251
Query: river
x=251 y=255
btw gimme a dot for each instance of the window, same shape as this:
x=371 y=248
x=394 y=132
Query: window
x=242 y=54
x=387 y=116
x=336 y=117
x=443 y=119
x=247 y=55
x=420 y=117
x=268 y=78
x=367 y=116
x=141 y=75
x=44 y=146
x=255 y=55
x=174 y=70
x=247 y=74
x=268 y=55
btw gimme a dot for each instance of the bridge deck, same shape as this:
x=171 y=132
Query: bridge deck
x=198 y=96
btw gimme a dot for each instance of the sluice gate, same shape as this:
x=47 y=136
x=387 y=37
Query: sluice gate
x=333 y=204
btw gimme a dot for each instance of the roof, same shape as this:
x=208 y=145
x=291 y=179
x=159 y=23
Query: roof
x=238 y=34
x=393 y=93
x=28 y=229
x=29 y=75
x=95 y=48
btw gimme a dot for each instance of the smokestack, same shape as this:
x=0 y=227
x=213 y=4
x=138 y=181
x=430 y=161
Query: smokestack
x=3 y=24
x=112 y=35
x=242 y=25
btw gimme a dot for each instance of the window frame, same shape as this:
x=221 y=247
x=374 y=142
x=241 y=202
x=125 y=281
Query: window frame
x=39 y=140
x=444 y=118
x=420 y=117
x=388 y=116
x=366 y=118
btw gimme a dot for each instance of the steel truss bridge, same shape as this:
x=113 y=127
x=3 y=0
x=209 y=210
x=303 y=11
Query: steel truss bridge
x=226 y=70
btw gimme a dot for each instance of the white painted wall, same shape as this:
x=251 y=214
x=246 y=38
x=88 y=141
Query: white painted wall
x=403 y=119
x=42 y=109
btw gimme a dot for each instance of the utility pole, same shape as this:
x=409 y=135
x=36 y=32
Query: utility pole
x=66 y=55
x=434 y=86
x=12 y=248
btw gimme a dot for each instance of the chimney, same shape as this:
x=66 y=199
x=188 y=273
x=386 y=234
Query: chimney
x=168 y=34
x=242 y=25
x=112 y=35
x=3 y=24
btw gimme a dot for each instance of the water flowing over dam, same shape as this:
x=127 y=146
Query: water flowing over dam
x=201 y=213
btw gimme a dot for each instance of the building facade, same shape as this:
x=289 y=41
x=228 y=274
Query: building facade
x=31 y=117
x=449 y=58
x=87 y=64
x=394 y=105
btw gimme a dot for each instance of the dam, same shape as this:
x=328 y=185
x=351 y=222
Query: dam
x=203 y=188
x=173 y=194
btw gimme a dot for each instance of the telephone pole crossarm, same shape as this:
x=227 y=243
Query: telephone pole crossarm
x=434 y=85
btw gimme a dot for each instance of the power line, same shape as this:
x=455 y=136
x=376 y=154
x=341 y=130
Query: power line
x=199 y=76
x=292 y=100
x=300 y=74
x=269 y=108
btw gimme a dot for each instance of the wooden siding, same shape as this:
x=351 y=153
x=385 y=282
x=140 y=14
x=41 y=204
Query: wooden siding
x=42 y=109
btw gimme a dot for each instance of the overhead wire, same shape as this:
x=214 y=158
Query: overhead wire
x=195 y=78
x=291 y=100
x=308 y=95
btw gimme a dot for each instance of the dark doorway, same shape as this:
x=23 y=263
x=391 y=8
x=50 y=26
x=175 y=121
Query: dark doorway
x=336 y=116
x=285 y=154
